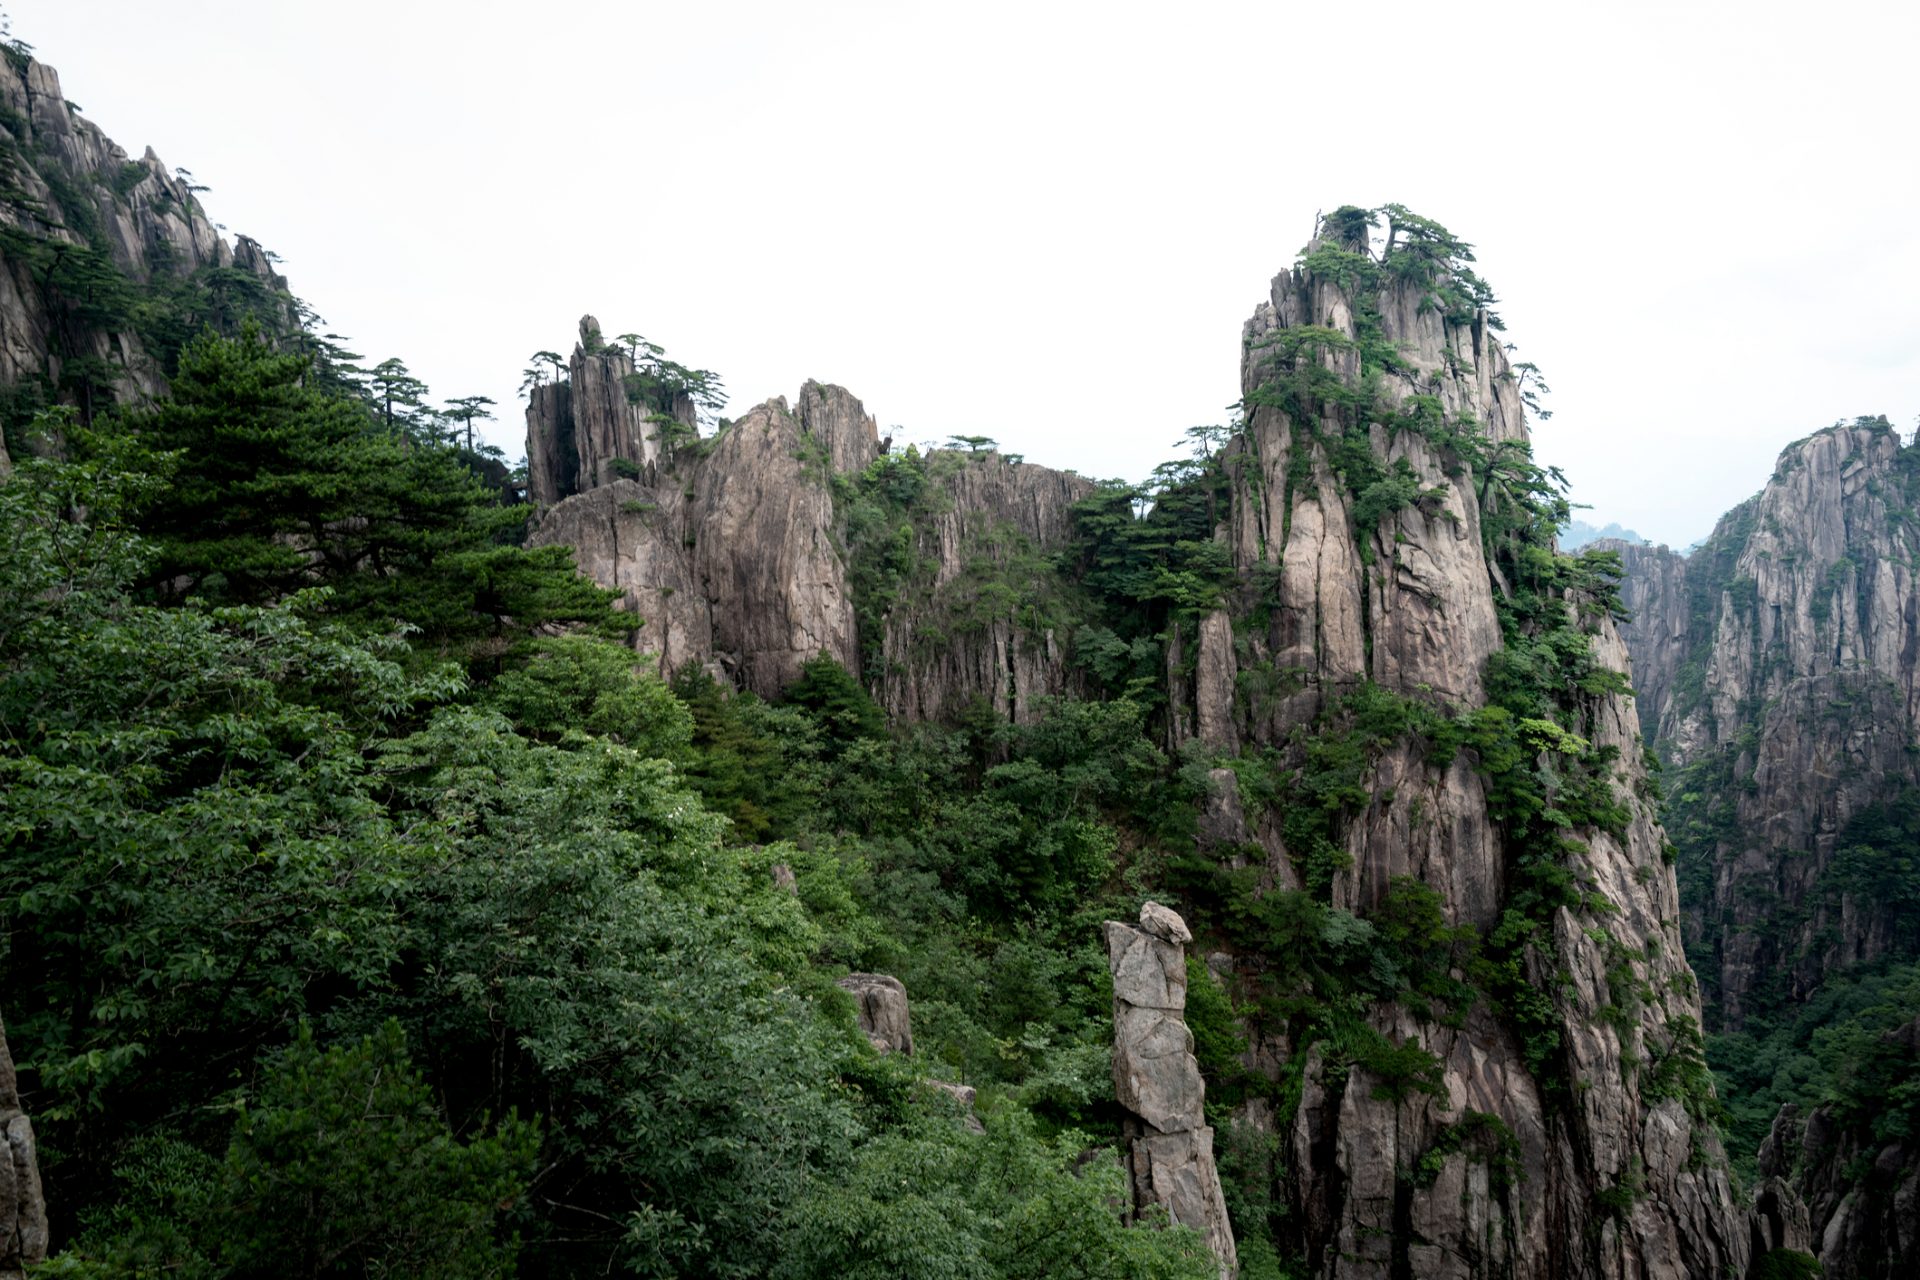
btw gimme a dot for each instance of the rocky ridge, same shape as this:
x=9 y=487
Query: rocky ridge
x=734 y=549
x=1777 y=665
x=80 y=219
x=23 y=1210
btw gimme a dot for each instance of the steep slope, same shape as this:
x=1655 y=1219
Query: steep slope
x=1777 y=673
x=1445 y=695
x=107 y=263
x=1791 y=707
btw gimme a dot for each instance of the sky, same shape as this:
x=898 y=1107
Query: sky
x=1046 y=222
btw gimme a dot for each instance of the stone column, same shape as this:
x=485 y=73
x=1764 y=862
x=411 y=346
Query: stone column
x=1157 y=1079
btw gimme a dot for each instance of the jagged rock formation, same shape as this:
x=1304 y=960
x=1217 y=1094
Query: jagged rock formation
x=728 y=559
x=1613 y=1178
x=1369 y=510
x=1856 y=1198
x=1777 y=666
x=735 y=550
x=601 y=423
x=81 y=224
x=23 y=1211
x=880 y=1003
x=955 y=633
x=1156 y=1078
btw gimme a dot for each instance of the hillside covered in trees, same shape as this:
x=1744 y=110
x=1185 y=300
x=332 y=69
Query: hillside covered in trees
x=414 y=865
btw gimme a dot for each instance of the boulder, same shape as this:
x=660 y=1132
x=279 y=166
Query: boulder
x=880 y=1002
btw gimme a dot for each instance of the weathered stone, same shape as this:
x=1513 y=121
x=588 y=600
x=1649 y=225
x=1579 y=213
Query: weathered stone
x=1809 y=683
x=145 y=219
x=1157 y=1079
x=1155 y=1075
x=23 y=1207
x=963 y=1096
x=1176 y=1171
x=880 y=1003
x=1165 y=923
x=1148 y=972
x=840 y=425
x=1409 y=606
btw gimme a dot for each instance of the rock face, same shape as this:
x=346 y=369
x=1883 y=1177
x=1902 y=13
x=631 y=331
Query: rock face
x=77 y=202
x=967 y=626
x=23 y=1211
x=1157 y=1079
x=605 y=421
x=880 y=1002
x=1777 y=668
x=1654 y=591
x=1857 y=1198
x=736 y=550
x=1341 y=592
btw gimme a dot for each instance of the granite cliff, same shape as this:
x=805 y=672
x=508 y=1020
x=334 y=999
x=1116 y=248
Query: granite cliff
x=1375 y=488
x=1776 y=674
x=740 y=551
x=1776 y=666
x=107 y=263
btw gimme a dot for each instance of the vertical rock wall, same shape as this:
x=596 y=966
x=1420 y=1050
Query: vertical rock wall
x=71 y=187
x=735 y=555
x=598 y=425
x=1778 y=668
x=1613 y=1178
x=970 y=625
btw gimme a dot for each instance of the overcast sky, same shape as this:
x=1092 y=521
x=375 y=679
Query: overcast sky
x=1045 y=222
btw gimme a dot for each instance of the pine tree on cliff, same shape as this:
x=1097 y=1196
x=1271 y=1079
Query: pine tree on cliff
x=281 y=486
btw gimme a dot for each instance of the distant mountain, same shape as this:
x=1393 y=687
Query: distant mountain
x=1578 y=533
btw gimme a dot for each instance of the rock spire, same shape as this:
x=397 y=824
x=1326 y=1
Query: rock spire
x=1169 y=1148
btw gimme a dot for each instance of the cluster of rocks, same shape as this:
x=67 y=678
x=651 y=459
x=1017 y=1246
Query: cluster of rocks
x=1157 y=1079
x=23 y=1211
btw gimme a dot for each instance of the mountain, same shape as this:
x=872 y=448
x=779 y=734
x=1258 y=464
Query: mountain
x=1777 y=677
x=1412 y=713
x=1327 y=685
x=108 y=264
x=1575 y=534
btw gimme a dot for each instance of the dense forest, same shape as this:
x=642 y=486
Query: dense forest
x=395 y=880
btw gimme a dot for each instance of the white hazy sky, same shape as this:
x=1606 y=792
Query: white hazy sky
x=1045 y=222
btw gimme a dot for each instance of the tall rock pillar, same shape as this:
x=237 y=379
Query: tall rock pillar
x=1157 y=1079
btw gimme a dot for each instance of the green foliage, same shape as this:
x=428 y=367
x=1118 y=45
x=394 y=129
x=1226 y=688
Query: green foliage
x=1833 y=1048
x=835 y=702
x=1484 y=1138
x=284 y=486
x=345 y=1167
x=580 y=685
x=923 y=1204
x=1786 y=1264
x=223 y=822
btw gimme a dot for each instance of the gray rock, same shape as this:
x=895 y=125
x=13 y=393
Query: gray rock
x=880 y=1003
x=145 y=220
x=23 y=1206
x=1164 y=922
x=1157 y=1079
